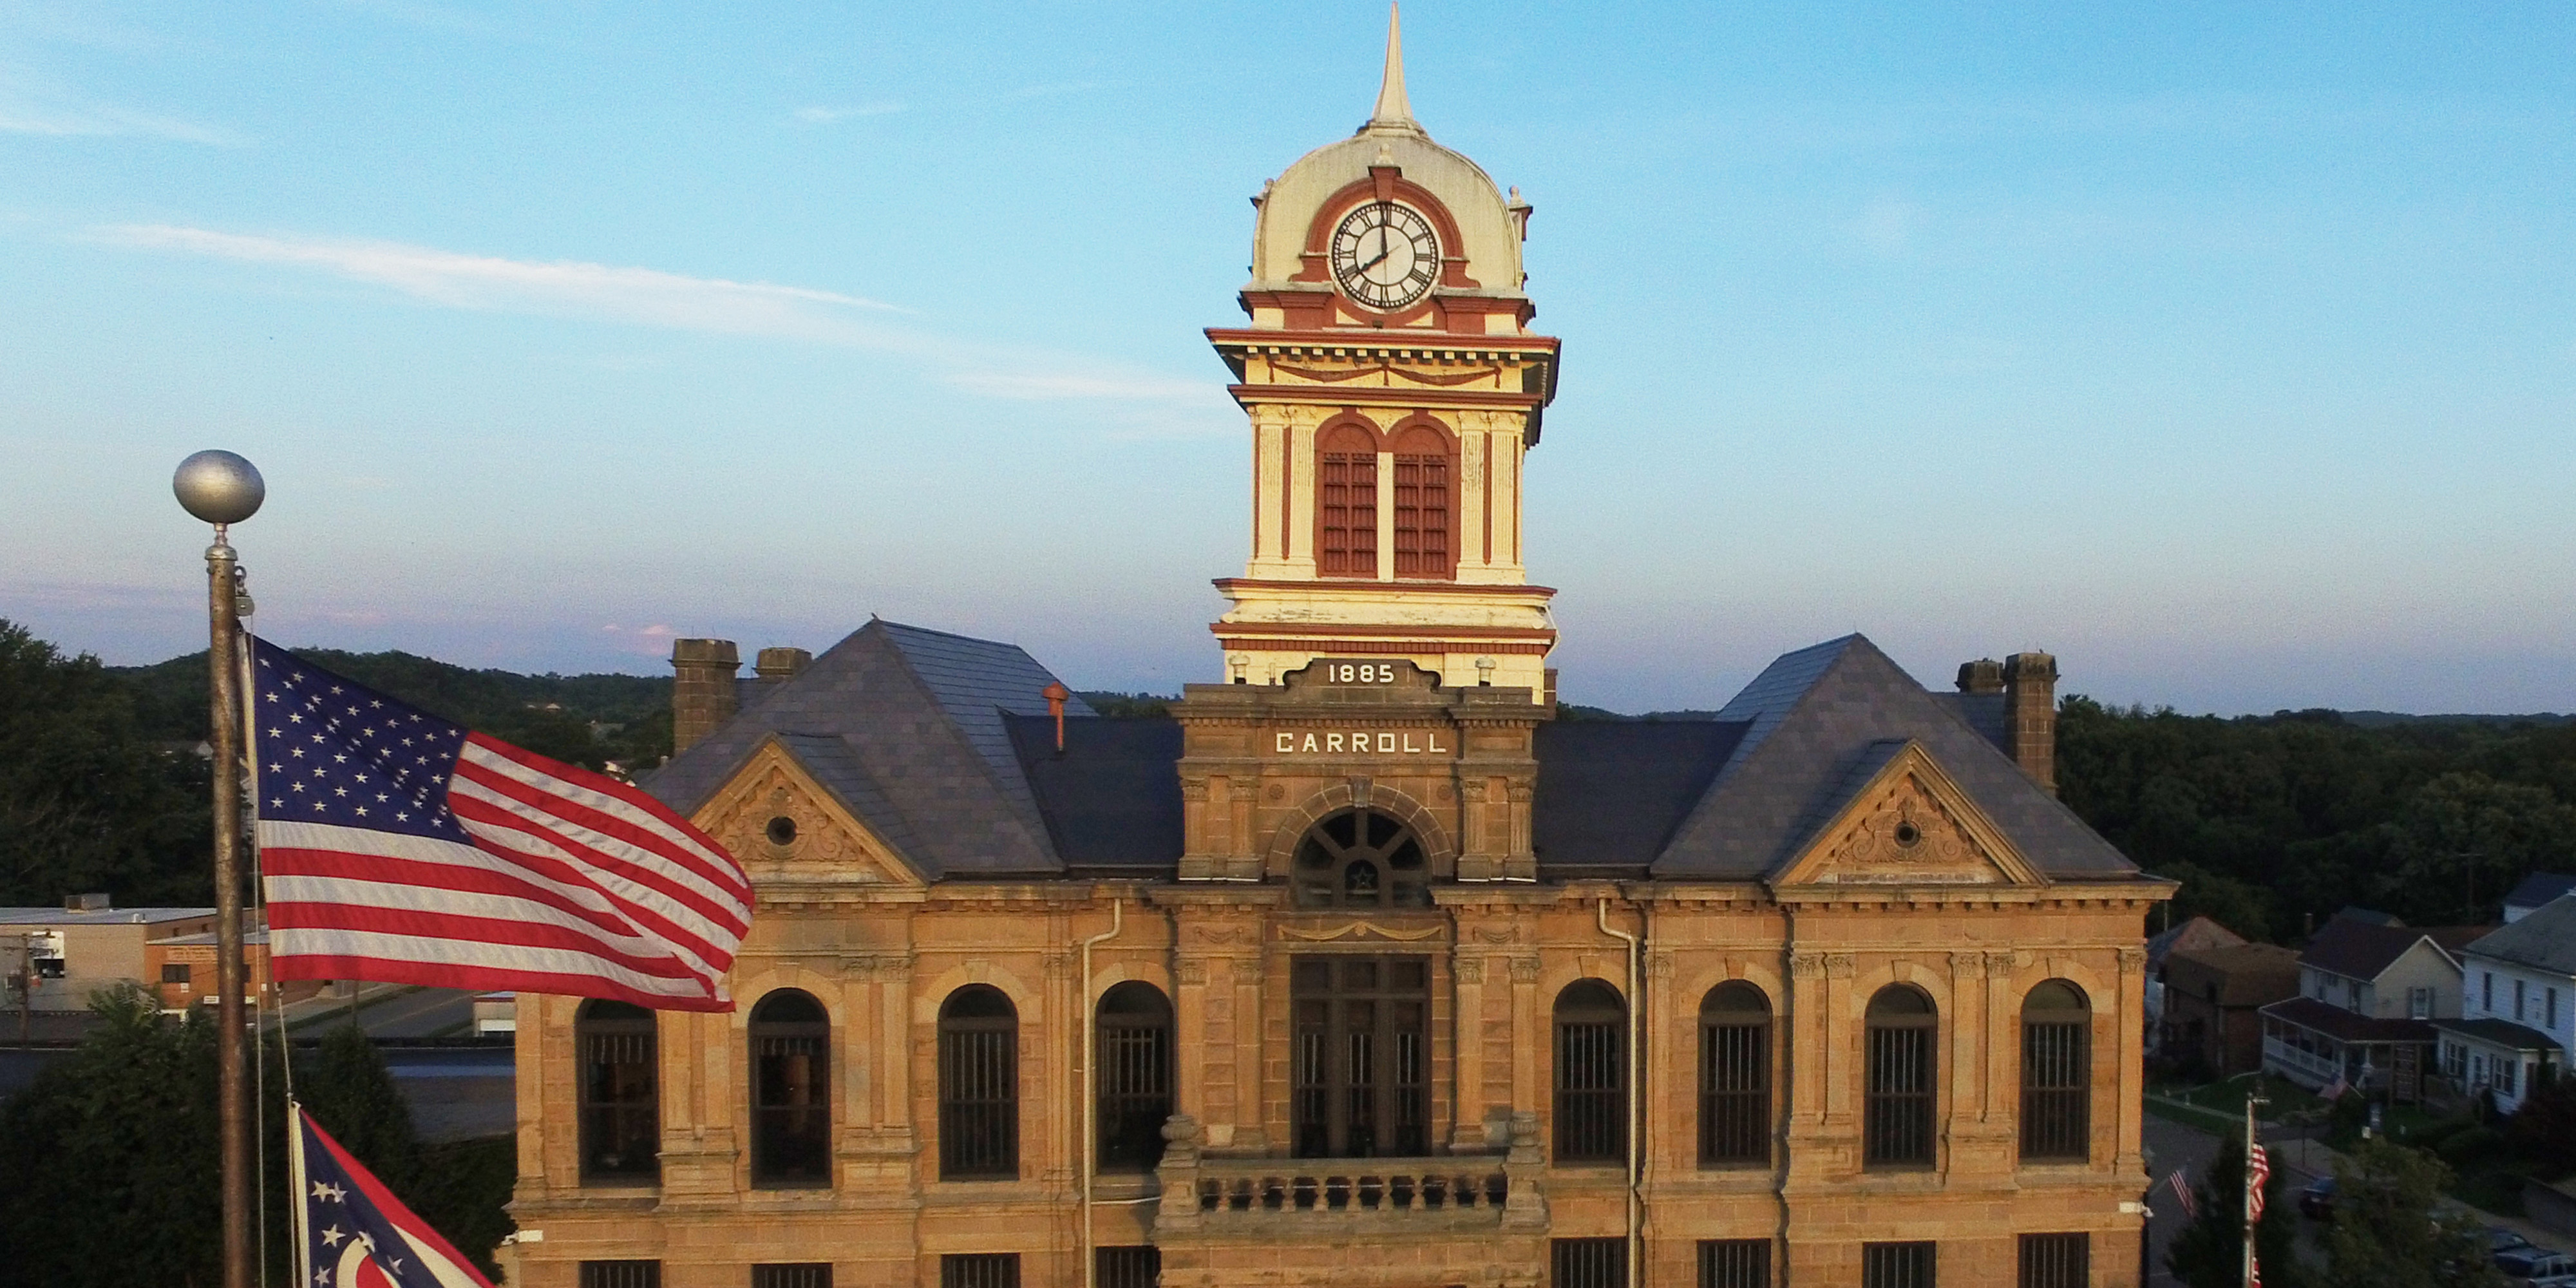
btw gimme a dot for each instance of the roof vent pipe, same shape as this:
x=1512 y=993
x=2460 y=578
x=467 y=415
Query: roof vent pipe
x=1056 y=695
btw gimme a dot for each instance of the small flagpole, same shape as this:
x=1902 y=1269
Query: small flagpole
x=223 y=489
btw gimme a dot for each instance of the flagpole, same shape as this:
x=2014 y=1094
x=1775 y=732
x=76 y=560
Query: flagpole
x=223 y=489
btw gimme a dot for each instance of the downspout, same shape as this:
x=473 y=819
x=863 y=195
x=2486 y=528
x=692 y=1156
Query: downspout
x=1636 y=1088
x=1091 y=1086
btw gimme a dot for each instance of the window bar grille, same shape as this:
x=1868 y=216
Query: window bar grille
x=1735 y=1263
x=1897 y=1265
x=812 y=1274
x=979 y=1270
x=2056 y=1087
x=620 y=1274
x=978 y=1103
x=2056 y=1260
x=1135 y=1090
x=620 y=1114
x=1735 y=1095
x=1126 y=1267
x=1587 y=1263
x=1591 y=1093
x=1898 y=1129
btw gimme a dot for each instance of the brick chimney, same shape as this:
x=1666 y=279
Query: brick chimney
x=1985 y=675
x=2030 y=714
x=779 y=665
x=702 y=692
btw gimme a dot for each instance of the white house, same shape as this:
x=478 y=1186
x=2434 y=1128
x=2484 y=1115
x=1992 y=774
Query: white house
x=2518 y=1006
x=2534 y=893
x=2369 y=992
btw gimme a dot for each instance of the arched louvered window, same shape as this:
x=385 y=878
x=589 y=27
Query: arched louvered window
x=1361 y=858
x=2056 y=1073
x=1424 y=504
x=1132 y=1075
x=1735 y=1077
x=620 y=1108
x=979 y=1086
x=1903 y=1031
x=791 y=1090
x=1346 y=502
x=1591 y=1074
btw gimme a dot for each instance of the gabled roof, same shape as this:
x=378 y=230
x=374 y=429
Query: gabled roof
x=2358 y=949
x=1812 y=718
x=2194 y=934
x=905 y=726
x=2542 y=939
x=2246 y=974
x=2539 y=888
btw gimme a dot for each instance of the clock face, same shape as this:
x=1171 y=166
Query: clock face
x=1385 y=255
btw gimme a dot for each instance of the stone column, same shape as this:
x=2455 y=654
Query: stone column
x=2132 y=1047
x=1529 y=1034
x=1467 y=976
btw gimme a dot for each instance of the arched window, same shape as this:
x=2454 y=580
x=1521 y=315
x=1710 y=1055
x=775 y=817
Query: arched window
x=620 y=1110
x=1423 y=505
x=1133 y=1076
x=2056 y=1073
x=791 y=1090
x=1361 y=859
x=1896 y=1128
x=1591 y=1074
x=1734 y=1077
x=979 y=1086
x=1346 y=502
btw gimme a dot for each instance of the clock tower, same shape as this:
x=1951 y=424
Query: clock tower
x=1394 y=387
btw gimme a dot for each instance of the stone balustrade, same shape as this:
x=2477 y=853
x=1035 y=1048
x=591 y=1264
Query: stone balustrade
x=1202 y=1191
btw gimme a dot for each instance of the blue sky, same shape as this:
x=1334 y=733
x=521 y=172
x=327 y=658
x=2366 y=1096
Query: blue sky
x=2227 y=351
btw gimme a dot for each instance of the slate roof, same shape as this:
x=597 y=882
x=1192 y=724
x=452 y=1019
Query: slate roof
x=905 y=725
x=1112 y=797
x=2539 y=888
x=2543 y=939
x=1610 y=792
x=1816 y=719
x=943 y=746
x=1984 y=712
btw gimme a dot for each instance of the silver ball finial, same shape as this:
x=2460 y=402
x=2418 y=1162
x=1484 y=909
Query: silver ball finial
x=219 y=487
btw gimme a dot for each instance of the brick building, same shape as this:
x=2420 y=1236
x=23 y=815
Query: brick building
x=2214 y=997
x=1365 y=968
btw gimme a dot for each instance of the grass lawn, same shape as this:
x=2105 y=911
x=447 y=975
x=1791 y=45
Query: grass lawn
x=2226 y=1098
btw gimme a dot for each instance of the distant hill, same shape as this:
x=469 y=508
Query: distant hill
x=584 y=719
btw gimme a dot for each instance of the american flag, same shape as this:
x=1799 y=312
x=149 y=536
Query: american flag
x=2258 y=1173
x=403 y=849
x=2182 y=1194
x=353 y=1232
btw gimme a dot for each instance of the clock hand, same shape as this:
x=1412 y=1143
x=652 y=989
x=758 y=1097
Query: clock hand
x=1381 y=258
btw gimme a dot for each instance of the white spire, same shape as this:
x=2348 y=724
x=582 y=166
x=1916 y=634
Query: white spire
x=1392 y=108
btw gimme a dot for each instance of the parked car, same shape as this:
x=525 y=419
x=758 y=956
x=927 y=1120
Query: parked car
x=2500 y=1239
x=2316 y=1199
x=2526 y=1266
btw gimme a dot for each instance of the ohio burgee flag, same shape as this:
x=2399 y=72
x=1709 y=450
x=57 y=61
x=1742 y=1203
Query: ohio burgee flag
x=354 y=1233
x=397 y=847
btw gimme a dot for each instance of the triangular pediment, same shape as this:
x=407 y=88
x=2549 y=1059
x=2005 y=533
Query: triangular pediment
x=1906 y=822
x=786 y=828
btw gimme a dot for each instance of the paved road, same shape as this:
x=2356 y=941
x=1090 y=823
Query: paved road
x=2171 y=1145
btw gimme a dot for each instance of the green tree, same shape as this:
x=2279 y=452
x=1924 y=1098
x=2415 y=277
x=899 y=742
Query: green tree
x=2210 y=1252
x=2388 y=1232
x=2463 y=839
x=2543 y=1130
x=87 y=800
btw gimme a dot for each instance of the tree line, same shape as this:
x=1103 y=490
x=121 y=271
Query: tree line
x=2271 y=822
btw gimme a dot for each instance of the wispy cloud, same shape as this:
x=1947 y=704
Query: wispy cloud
x=836 y=115
x=642 y=296
x=30 y=109
x=672 y=301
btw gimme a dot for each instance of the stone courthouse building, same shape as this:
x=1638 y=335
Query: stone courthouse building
x=1366 y=968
